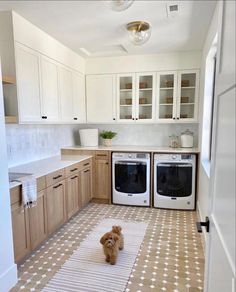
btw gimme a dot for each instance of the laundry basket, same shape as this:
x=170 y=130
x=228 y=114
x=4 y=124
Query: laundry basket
x=88 y=137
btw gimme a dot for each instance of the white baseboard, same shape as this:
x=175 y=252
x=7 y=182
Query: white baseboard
x=204 y=237
x=8 y=279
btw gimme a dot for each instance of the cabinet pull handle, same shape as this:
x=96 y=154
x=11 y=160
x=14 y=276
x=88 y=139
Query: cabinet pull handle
x=56 y=177
x=101 y=155
x=74 y=169
x=107 y=163
x=75 y=119
x=57 y=186
x=44 y=117
x=74 y=177
x=86 y=164
x=87 y=170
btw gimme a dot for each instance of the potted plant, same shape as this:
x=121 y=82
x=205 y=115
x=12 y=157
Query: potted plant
x=107 y=136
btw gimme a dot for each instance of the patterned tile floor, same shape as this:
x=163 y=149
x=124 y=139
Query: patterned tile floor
x=171 y=257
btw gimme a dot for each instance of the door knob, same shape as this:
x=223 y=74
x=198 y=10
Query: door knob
x=205 y=224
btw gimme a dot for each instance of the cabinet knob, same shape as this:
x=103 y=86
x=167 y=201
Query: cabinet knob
x=44 y=117
x=178 y=118
x=133 y=119
x=173 y=118
x=114 y=119
x=136 y=118
x=75 y=119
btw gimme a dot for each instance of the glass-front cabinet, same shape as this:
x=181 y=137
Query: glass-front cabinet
x=167 y=85
x=187 y=95
x=126 y=97
x=136 y=94
x=177 y=95
x=145 y=93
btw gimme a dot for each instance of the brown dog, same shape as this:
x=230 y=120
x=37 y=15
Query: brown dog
x=117 y=230
x=110 y=242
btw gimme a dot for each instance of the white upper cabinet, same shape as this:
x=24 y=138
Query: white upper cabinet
x=177 y=96
x=100 y=93
x=66 y=95
x=188 y=90
x=79 y=103
x=145 y=97
x=166 y=95
x=47 y=91
x=126 y=97
x=28 y=84
x=49 y=97
x=136 y=97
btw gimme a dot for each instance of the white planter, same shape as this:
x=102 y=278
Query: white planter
x=107 y=142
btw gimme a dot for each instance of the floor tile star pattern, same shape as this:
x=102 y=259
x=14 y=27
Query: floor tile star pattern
x=171 y=257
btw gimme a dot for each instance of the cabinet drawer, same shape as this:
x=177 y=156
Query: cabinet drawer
x=41 y=183
x=75 y=168
x=86 y=163
x=55 y=177
x=102 y=154
x=15 y=195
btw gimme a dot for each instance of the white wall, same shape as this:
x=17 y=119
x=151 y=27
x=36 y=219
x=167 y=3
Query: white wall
x=32 y=142
x=8 y=270
x=148 y=135
x=30 y=35
x=203 y=179
x=140 y=63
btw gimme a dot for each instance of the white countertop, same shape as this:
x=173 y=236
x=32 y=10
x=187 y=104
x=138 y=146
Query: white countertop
x=133 y=148
x=45 y=166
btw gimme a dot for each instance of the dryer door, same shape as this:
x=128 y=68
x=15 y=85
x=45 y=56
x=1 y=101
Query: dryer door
x=131 y=177
x=174 y=179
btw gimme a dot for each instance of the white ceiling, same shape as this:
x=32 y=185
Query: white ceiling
x=92 y=25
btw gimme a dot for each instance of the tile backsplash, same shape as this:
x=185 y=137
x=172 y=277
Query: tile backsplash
x=32 y=142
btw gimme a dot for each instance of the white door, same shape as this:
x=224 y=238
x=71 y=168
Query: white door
x=220 y=257
x=100 y=91
x=50 y=98
x=66 y=95
x=28 y=84
x=79 y=104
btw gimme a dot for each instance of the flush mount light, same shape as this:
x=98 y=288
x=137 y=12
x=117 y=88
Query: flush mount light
x=120 y=5
x=139 y=32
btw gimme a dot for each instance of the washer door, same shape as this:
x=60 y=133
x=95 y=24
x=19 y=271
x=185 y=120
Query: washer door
x=131 y=177
x=174 y=179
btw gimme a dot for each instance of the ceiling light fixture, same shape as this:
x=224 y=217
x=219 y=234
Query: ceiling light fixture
x=120 y=5
x=139 y=32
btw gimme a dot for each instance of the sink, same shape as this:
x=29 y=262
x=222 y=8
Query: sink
x=16 y=176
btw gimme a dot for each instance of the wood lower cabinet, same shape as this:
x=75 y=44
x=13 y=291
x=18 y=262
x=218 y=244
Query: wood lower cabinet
x=56 y=214
x=58 y=199
x=37 y=220
x=20 y=230
x=102 y=179
x=73 y=194
x=86 y=186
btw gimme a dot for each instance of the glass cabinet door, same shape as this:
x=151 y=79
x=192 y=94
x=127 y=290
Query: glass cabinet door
x=145 y=96
x=126 y=97
x=188 y=88
x=166 y=96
